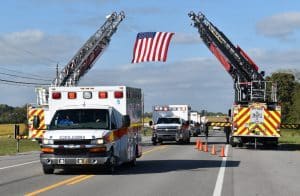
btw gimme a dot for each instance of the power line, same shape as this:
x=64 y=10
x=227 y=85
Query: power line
x=18 y=82
x=16 y=71
x=31 y=78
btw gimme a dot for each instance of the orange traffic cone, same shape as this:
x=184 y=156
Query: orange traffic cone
x=205 y=148
x=200 y=146
x=197 y=144
x=222 y=153
x=213 y=150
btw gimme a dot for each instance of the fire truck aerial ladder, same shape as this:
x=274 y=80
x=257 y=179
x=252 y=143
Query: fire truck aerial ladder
x=87 y=55
x=70 y=75
x=256 y=114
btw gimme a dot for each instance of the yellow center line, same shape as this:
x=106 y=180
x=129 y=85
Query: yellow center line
x=80 y=178
x=47 y=188
x=155 y=149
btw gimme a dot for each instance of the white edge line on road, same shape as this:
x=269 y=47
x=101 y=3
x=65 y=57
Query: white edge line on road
x=220 y=179
x=18 y=165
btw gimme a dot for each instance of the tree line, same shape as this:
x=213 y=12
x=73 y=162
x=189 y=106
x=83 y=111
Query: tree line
x=288 y=94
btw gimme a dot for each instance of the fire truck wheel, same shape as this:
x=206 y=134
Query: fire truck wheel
x=48 y=169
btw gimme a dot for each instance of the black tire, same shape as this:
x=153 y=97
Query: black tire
x=132 y=163
x=48 y=169
x=111 y=163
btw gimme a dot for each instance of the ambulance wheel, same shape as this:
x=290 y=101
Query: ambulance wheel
x=111 y=163
x=132 y=163
x=48 y=169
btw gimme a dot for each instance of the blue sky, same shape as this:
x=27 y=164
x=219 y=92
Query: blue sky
x=36 y=35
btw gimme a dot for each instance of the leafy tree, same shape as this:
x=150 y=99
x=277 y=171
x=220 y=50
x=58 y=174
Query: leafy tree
x=286 y=89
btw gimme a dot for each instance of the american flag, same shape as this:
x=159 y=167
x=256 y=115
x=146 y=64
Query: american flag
x=151 y=46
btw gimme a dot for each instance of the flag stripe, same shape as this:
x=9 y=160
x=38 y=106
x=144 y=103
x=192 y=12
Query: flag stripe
x=151 y=46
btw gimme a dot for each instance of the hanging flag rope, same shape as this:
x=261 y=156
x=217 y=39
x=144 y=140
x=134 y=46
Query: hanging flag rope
x=151 y=46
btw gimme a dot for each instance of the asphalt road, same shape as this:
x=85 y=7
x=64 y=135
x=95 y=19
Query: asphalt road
x=167 y=169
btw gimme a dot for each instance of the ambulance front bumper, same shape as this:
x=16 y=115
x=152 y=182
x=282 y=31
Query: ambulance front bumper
x=60 y=160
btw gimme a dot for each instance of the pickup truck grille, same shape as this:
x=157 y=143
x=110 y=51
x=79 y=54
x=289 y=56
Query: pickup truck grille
x=75 y=142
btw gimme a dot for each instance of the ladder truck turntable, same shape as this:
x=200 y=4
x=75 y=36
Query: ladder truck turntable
x=87 y=125
x=255 y=114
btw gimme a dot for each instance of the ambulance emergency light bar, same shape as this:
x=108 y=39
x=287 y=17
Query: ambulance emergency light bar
x=168 y=108
x=87 y=95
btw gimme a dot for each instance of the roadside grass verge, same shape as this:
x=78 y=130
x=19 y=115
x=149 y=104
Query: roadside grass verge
x=9 y=129
x=8 y=146
x=290 y=136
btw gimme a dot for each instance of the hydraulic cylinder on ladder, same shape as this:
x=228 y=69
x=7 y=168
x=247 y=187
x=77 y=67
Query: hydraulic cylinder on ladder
x=256 y=113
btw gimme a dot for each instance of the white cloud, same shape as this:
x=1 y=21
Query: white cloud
x=280 y=26
x=185 y=38
x=34 y=47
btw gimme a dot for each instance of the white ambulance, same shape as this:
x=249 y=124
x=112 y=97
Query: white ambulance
x=171 y=123
x=91 y=126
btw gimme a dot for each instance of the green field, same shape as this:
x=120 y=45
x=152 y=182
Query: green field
x=8 y=146
x=9 y=129
x=290 y=136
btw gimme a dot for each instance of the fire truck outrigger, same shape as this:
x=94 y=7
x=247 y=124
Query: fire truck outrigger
x=255 y=114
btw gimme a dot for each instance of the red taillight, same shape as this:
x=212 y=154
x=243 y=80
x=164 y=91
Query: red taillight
x=56 y=95
x=102 y=95
x=118 y=94
x=72 y=95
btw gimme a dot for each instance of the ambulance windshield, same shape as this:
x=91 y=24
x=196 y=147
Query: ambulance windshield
x=80 y=119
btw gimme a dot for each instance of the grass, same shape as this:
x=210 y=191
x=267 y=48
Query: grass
x=290 y=136
x=9 y=129
x=8 y=146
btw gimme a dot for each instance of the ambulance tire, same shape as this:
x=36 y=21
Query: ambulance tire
x=132 y=163
x=111 y=164
x=48 y=169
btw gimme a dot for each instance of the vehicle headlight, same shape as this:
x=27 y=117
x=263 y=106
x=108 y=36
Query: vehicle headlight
x=48 y=141
x=97 y=141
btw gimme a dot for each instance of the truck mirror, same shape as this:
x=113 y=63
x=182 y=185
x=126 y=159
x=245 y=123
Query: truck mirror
x=229 y=112
x=36 y=122
x=150 y=123
x=126 y=121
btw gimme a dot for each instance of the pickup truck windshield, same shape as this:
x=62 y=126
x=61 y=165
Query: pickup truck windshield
x=168 y=121
x=80 y=119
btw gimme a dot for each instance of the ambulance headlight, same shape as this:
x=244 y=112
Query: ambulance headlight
x=97 y=141
x=48 y=141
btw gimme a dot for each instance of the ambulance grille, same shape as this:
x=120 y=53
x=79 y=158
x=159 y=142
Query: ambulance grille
x=75 y=142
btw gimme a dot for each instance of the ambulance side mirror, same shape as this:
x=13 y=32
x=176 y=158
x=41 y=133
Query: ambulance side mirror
x=36 y=122
x=150 y=123
x=126 y=121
